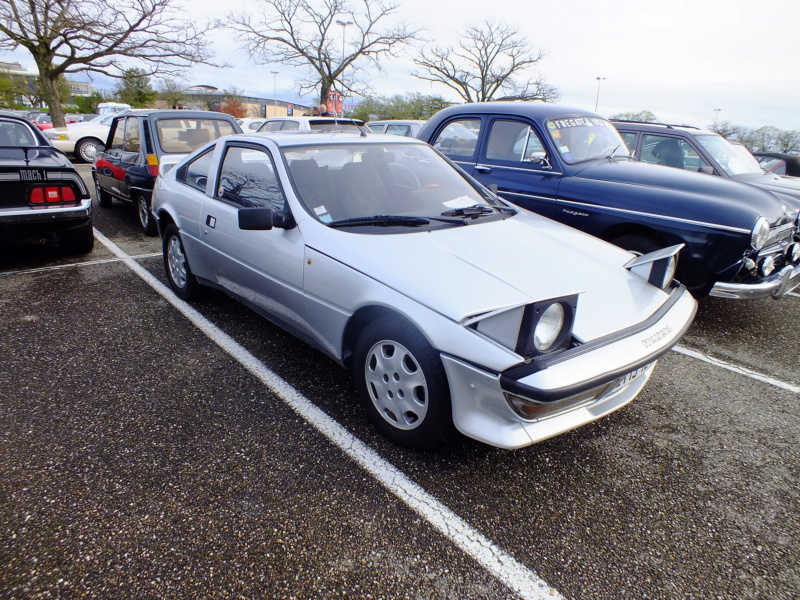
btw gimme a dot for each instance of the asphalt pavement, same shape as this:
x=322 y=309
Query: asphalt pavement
x=153 y=449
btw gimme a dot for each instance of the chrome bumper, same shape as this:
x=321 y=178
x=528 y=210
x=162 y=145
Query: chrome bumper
x=786 y=280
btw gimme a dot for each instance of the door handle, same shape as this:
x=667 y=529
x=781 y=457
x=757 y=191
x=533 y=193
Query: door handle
x=483 y=169
x=211 y=221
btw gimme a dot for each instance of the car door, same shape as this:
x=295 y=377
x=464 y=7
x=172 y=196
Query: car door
x=672 y=151
x=124 y=154
x=263 y=268
x=512 y=156
x=108 y=161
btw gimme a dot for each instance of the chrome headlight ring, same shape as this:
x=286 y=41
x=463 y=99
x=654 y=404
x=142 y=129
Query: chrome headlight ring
x=760 y=233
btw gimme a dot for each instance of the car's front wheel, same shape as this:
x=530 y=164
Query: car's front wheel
x=637 y=243
x=402 y=384
x=179 y=275
x=146 y=218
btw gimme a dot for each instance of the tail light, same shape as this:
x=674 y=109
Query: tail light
x=52 y=195
x=152 y=164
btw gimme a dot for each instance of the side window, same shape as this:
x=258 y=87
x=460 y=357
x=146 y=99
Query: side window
x=248 y=179
x=513 y=141
x=131 y=143
x=459 y=138
x=630 y=139
x=195 y=174
x=119 y=135
x=272 y=126
x=290 y=126
x=670 y=152
x=398 y=129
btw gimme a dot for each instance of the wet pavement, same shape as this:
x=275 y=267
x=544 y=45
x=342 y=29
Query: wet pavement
x=140 y=459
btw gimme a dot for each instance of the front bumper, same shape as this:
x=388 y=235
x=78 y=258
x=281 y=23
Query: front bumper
x=581 y=389
x=780 y=284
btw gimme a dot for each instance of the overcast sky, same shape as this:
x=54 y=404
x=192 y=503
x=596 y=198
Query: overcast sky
x=680 y=59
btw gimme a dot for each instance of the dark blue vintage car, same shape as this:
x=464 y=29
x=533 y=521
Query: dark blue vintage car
x=572 y=166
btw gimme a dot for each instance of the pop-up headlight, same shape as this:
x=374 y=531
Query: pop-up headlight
x=657 y=268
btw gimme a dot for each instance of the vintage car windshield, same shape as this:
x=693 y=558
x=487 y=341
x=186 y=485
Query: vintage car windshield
x=337 y=183
x=732 y=158
x=584 y=138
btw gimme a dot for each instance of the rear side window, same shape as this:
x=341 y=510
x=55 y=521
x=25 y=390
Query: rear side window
x=195 y=174
x=180 y=136
x=670 y=152
x=16 y=135
x=248 y=180
x=119 y=135
x=459 y=138
x=513 y=141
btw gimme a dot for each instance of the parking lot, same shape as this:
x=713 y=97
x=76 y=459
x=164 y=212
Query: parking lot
x=154 y=449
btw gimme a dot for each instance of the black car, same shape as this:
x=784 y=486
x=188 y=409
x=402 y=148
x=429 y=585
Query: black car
x=700 y=151
x=572 y=166
x=139 y=141
x=42 y=197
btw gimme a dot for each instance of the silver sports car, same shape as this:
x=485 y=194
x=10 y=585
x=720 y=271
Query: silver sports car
x=454 y=309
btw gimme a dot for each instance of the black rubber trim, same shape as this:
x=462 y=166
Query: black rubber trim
x=509 y=378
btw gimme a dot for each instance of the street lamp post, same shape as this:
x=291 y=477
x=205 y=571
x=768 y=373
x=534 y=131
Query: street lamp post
x=716 y=114
x=343 y=25
x=597 y=100
x=274 y=94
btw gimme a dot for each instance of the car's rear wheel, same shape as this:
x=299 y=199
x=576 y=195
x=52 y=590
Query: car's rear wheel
x=88 y=149
x=402 y=384
x=146 y=218
x=179 y=275
x=104 y=199
x=78 y=241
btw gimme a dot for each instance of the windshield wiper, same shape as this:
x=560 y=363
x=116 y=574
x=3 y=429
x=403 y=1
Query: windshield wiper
x=382 y=221
x=474 y=211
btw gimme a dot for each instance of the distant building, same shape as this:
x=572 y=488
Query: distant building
x=76 y=88
x=208 y=97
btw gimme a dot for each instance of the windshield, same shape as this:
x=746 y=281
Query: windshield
x=342 y=182
x=734 y=159
x=585 y=138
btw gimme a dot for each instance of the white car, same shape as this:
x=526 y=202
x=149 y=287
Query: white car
x=82 y=140
x=312 y=124
x=250 y=123
x=408 y=128
x=453 y=309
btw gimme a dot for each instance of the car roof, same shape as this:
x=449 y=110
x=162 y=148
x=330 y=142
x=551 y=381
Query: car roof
x=395 y=122
x=286 y=139
x=652 y=126
x=537 y=110
x=173 y=113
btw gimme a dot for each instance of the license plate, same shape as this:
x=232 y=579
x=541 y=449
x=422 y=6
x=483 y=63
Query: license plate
x=633 y=375
x=30 y=175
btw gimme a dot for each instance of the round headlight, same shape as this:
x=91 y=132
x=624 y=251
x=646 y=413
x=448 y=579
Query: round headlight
x=766 y=265
x=793 y=253
x=760 y=233
x=548 y=327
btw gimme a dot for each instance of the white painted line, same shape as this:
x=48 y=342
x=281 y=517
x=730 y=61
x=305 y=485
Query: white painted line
x=80 y=264
x=501 y=565
x=740 y=370
x=793 y=294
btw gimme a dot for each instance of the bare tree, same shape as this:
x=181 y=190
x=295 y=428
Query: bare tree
x=725 y=128
x=493 y=61
x=788 y=140
x=306 y=33
x=764 y=137
x=68 y=36
x=644 y=116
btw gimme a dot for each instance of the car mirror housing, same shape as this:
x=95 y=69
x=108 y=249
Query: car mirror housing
x=264 y=219
x=707 y=169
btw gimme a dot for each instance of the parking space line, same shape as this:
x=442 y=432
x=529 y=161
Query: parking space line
x=80 y=264
x=740 y=370
x=498 y=563
x=793 y=294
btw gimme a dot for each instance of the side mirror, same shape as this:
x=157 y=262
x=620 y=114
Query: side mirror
x=707 y=169
x=493 y=188
x=264 y=219
x=540 y=160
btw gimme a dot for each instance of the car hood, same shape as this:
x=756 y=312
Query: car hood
x=462 y=272
x=760 y=201
x=774 y=183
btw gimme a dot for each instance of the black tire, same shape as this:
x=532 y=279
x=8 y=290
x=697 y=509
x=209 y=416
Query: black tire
x=402 y=384
x=176 y=265
x=104 y=199
x=86 y=150
x=637 y=243
x=77 y=241
x=146 y=219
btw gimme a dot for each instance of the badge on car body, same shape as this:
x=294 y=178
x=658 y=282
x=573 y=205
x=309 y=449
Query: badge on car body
x=30 y=175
